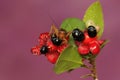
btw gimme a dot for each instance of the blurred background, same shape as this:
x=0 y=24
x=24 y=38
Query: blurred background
x=21 y=22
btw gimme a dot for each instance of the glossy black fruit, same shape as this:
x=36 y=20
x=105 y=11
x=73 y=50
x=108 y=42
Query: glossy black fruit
x=92 y=32
x=44 y=49
x=78 y=35
x=56 y=41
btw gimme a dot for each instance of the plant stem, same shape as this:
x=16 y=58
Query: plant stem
x=91 y=67
x=93 y=70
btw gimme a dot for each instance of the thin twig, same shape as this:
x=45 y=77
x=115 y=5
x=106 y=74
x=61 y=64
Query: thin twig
x=93 y=71
x=92 y=68
x=87 y=67
x=87 y=75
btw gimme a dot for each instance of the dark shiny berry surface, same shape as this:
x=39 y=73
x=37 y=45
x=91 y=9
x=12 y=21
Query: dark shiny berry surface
x=56 y=41
x=78 y=35
x=44 y=49
x=92 y=31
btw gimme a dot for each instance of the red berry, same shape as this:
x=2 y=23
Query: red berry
x=42 y=42
x=36 y=50
x=83 y=49
x=61 y=48
x=94 y=47
x=52 y=57
x=88 y=39
x=51 y=46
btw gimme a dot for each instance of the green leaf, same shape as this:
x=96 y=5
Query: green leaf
x=69 y=59
x=94 y=15
x=71 y=23
x=71 y=41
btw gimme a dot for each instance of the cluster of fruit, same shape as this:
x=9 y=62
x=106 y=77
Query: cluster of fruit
x=87 y=41
x=51 y=45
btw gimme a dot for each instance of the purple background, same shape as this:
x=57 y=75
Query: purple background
x=21 y=22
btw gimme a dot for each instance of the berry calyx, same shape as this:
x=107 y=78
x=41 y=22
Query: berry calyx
x=44 y=49
x=94 y=47
x=56 y=41
x=83 y=49
x=52 y=57
x=101 y=41
x=35 y=50
x=78 y=35
x=92 y=32
x=43 y=38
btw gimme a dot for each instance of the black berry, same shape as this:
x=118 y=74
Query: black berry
x=92 y=31
x=78 y=35
x=44 y=49
x=56 y=41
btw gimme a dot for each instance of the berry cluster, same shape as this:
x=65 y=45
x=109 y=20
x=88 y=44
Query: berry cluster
x=87 y=41
x=50 y=46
